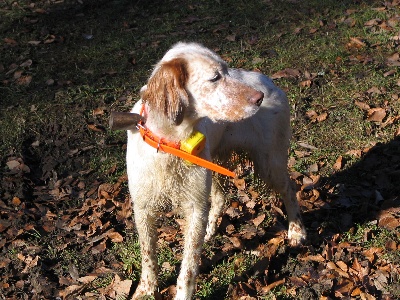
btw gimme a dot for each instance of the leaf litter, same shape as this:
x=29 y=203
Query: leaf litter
x=331 y=265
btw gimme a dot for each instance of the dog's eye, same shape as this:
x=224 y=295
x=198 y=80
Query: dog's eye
x=216 y=77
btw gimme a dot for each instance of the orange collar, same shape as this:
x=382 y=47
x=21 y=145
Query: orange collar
x=174 y=149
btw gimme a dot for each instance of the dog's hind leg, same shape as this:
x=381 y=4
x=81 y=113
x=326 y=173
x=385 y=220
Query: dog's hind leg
x=272 y=169
x=146 y=227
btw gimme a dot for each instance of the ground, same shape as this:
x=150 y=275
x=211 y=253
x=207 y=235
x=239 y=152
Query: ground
x=65 y=214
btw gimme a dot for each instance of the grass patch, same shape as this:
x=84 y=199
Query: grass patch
x=62 y=61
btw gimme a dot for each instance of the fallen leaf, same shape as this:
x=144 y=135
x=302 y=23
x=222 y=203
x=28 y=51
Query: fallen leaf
x=397 y=132
x=387 y=220
x=98 y=111
x=355 y=153
x=286 y=73
x=257 y=221
x=16 y=201
x=375 y=90
x=96 y=128
x=393 y=60
x=322 y=117
x=389 y=73
x=338 y=165
x=373 y=22
x=122 y=288
x=349 y=22
x=307 y=146
x=69 y=290
x=24 y=80
x=10 y=41
x=12 y=164
x=115 y=237
x=34 y=43
x=26 y=63
x=268 y=288
x=30 y=263
x=236 y=242
x=376 y=114
x=306 y=83
x=362 y=105
x=239 y=183
x=231 y=37
x=87 y=279
x=317 y=258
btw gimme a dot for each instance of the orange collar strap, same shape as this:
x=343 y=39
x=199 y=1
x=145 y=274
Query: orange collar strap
x=174 y=149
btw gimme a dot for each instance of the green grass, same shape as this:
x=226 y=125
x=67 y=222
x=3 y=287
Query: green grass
x=223 y=275
x=128 y=39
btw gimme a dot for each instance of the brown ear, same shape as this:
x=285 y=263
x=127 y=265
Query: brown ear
x=166 y=90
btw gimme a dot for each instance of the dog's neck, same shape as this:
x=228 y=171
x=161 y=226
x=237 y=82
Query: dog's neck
x=164 y=128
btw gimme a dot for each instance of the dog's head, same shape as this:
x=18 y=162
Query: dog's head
x=192 y=81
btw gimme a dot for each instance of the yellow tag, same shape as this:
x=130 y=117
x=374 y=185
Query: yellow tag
x=194 y=144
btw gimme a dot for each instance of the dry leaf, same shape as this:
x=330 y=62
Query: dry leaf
x=257 y=221
x=34 y=43
x=236 y=242
x=362 y=105
x=356 y=43
x=397 y=132
x=388 y=220
x=24 y=80
x=13 y=164
x=26 y=63
x=306 y=83
x=115 y=237
x=16 y=201
x=389 y=73
x=373 y=22
x=338 y=165
x=96 y=128
x=239 y=183
x=322 y=117
x=349 y=22
x=10 y=41
x=30 y=263
x=122 y=288
x=286 y=73
x=268 y=288
x=231 y=37
x=98 y=111
x=87 y=279
x=376 y=114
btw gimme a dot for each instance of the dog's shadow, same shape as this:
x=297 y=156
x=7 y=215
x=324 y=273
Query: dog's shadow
x=359 y=194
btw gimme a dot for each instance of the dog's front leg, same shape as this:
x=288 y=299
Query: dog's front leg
x=196 y=213
x=146 y=227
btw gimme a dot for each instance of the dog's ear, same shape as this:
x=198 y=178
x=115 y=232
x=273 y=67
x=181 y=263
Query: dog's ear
x=166 y=90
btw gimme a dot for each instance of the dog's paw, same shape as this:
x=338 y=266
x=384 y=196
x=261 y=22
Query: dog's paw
x=297 y=235
x=141 y=296
x=144 y=291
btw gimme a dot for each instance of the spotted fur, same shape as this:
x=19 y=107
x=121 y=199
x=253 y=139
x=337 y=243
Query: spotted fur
x=192 y=88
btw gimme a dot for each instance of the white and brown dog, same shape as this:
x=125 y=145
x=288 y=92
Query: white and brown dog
x=192 y=90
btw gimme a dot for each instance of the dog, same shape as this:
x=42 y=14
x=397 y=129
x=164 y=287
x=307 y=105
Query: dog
x=191 y=89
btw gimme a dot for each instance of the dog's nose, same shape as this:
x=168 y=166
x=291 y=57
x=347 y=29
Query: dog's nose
x=257 y=98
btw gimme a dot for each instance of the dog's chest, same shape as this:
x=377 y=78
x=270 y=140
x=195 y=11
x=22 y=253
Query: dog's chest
x=162 y=181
